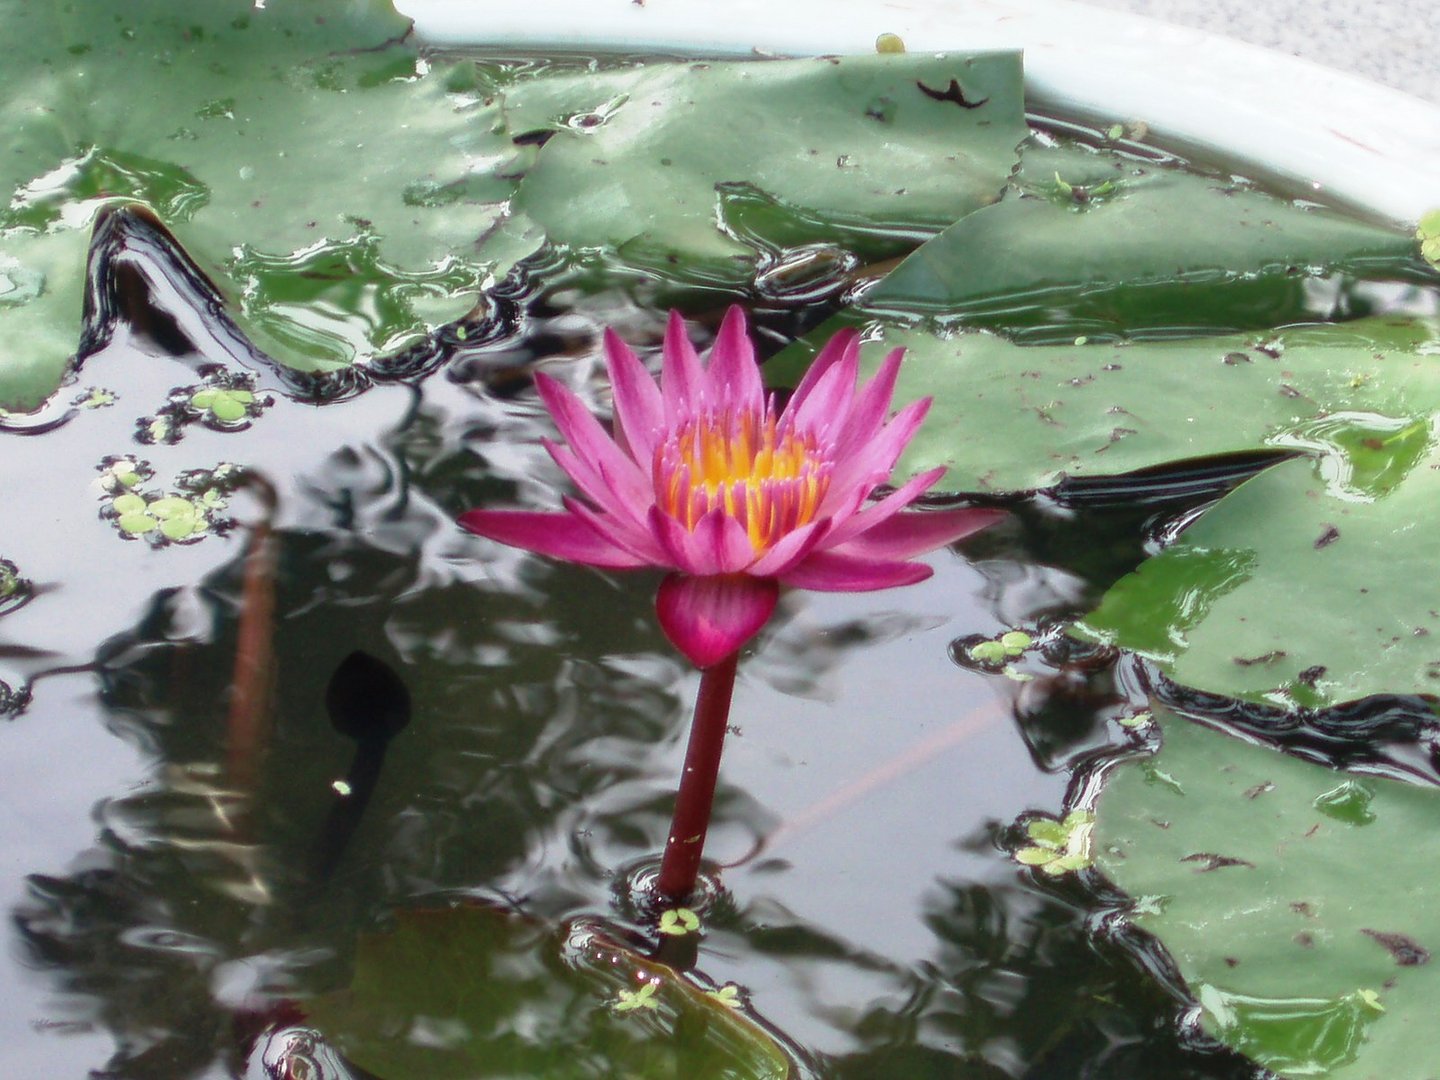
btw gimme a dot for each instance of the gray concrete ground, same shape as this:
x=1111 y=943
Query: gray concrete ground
x=1395 y=42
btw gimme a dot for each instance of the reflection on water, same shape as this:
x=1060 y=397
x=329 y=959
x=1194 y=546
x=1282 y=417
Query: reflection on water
x=177 y=884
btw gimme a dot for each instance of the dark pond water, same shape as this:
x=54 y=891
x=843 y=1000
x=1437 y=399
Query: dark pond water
x=173 y=856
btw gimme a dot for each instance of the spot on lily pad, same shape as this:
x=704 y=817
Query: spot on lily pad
x=1349 y=802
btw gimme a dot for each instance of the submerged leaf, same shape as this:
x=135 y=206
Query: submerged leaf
x=472 y=992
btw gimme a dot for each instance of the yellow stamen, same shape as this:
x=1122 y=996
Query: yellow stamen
x=769 y=481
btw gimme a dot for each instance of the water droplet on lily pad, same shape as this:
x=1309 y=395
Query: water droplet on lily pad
x=18 y=285
x=1349 y=802
x=1291 y=1036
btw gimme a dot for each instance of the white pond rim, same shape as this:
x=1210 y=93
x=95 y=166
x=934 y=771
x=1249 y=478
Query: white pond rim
x=1341 y=136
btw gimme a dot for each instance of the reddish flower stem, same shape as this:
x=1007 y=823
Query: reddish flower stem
x=680 y=865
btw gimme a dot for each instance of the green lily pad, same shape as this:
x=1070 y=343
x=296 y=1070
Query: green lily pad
x=471 y=992
x=285 y=132
x=1223 y=609
x=646 y=162
x=1009 y=417
x=344 y=196
x=1333 y=533
x=42 y=279
x=1119 y=243
x=1306 y=935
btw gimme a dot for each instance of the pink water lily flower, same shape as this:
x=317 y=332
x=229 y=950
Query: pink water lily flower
x=704 y=478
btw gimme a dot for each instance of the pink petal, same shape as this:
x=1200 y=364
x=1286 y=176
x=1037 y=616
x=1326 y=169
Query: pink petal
x=842 y=342
x=872 y=404
x=682 y=379
x=790 y=549
x=595 y=453
x=872 y=464
x=827 y=401
x=904 y=536
x=591 y=482
x=639 y=408
x=886 y=508
x=734 y=375
x=675 y=540
x=623 y=534
x=718 y=544
x=708 y=618
x=827 y=571
x=729 y=543
x=560 y=536
x=839 y=506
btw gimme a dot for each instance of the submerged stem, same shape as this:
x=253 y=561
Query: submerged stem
x=680 y=865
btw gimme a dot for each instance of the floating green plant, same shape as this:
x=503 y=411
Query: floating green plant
x=1428 y=235
x=644 y=998
x=678 y=922
x=533 y=1000
x=223 y=401
x=181 y=516
x=996 y=651
x=96 y=397
x=14 y=588
x=1058 y=847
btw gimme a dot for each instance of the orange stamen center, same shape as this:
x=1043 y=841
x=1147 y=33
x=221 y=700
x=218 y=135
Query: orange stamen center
x=772 y=482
